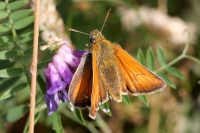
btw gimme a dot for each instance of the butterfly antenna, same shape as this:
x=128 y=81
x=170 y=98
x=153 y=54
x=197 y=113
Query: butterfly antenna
x=71 y=29
x=106 y=18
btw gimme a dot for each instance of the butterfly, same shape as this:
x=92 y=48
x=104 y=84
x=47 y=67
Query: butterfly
x=107 y=71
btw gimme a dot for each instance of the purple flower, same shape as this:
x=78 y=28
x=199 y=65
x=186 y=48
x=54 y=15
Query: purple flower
x=59 y=72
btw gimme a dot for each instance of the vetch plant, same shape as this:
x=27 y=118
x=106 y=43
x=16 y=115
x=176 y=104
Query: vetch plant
x=59 y=72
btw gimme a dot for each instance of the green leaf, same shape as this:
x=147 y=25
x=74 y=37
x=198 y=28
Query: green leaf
x=10 y=72
x=106 y=108
x=78 y=115
x=20 y=24
x=4 y=55
x=140 y=57
x=161 y=56
x=175 y=72
x=9 y=92
x=41 y=65
x=2 y=5
x=167 y=80
x=4 y=27
x=26 y=37
x=56 y=122
x=3 y=14
x=28 y=51
x=41 y=83
x=2 y=125
x=6 y=83
x=16 y=113
x=16 y=4
x=126 y=99
x=144 y=99
x=150 y=59
x=23 y=95
x=5 y=40
x=16 y=15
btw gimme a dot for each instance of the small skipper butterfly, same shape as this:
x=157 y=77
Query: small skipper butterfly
x=107 y=71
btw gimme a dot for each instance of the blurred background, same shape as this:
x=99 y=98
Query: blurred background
x=133 y=24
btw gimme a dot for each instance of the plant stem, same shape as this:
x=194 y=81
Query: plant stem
x=102 y=124
x=170 y=63
x=33 y=67
x=187 y=44
x=192 y=58
x=89 y=125
x=183 y=55
x=17 y=44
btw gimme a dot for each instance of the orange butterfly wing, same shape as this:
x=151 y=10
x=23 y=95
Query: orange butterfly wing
x=137 y=78
x=80 y=88
x=99 y=94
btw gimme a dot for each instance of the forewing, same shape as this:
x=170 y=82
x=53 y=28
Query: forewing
x=138 y=79
x=80 y=88
x=99 y=94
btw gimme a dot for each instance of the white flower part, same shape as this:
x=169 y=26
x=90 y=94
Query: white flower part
x=171 y=28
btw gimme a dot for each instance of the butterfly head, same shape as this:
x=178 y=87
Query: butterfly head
x=94 y=35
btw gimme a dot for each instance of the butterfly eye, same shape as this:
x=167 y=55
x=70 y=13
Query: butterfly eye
x=92 y=40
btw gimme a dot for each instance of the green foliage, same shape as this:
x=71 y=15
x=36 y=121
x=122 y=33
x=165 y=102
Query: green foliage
x=22 y=23
x=16 y=113
x=78 y=115
x=140 y=57
x=5 y=55
x=143 y=99
x=11 y=91
x=126 y=99
x=6 y=40
x=167 y=80
x=150 y=59
x=16 y=4
x=3 y=14
x=106 y=108
x=23 y=13
x=10 y=72
x=56 y=122
x=2 y=5
x=4 y=27
x=14 y=71
x=160 y=56
x=175 y=72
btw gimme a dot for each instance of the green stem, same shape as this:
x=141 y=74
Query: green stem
x=183 y=55
x=14 y=33
x=88 y=125
x=170 y=63
x=102 y=124
x=16 y=46
x=187 y=44
x=193 y=58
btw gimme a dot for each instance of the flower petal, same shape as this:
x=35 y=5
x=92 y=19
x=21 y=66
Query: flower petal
x=64 y=96
x=47 y=77
x=62 y=69
x=78 y=53
x=56 y=83
x=52 y=103
x=70 y=57
x=66 y=42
